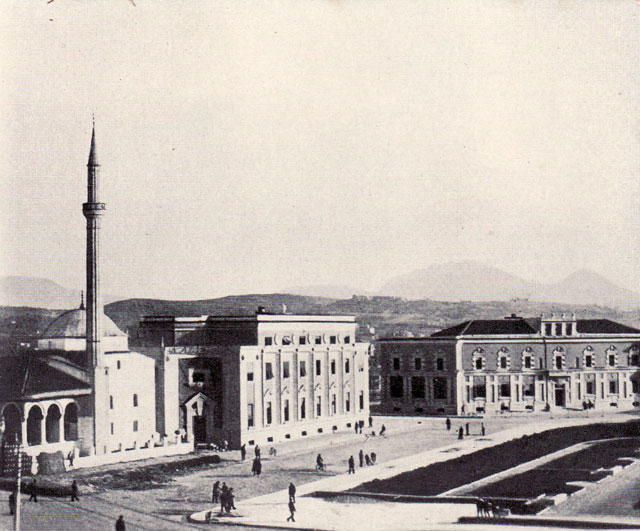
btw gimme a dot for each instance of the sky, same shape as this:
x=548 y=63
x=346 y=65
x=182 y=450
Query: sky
x=254 y=146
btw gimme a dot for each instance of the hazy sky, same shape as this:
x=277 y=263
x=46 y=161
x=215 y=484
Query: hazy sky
x=248 y=147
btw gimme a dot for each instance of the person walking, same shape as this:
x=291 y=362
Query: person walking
x=373 y=458
x=292 y=493
x=448 y=424
x=370 y=421
x=74 y=491
x=352 y=465
x=70 y=457
x=482 y=429
x=230 y=502
x=12 y=503
x=356 y=427
x=215 y=492
x=258 y=468
x=319 y=462
x=257 y=451
x=367 y=459
x=383 y=430
x=361 y=457
x=460 y=433
x=292 y=509
x=243 y=452
x=254 y=466
x=120 y=525
x=34 y=491
x=224 y=492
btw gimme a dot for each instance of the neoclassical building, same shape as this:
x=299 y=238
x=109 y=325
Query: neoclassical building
x=258 y=379
x=513 y=364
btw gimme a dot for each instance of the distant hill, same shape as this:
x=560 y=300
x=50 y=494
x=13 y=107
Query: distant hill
x=472 y=281
x=327 y=290
x=40 y=293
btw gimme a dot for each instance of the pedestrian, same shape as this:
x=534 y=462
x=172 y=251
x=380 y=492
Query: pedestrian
x=460 y=433
x=230 y=503
x=258 y=468
x=254 y=466
x=224 y=492
x=292 y=509
x=361 y=457
x=356 y=427
x=74 y=491
x=273 y=452
x=257 y=451
x=243 y=452
x=361 y=425
x=367 y=459
x=319 y=462
x=70 y=457
x=383 y=430
x=12 y=503
x=482 y=429
x=120 y=525
x=370 y=421
x=373 y=458
x=352 y=465
x=466 y=428
x=34 y=491
x=448 y=423
x=215 y=492
x=292 y=493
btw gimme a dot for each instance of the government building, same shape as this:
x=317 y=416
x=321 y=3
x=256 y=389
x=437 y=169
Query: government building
x=513 y=364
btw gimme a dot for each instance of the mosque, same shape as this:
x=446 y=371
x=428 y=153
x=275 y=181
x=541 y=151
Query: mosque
x=243 y=380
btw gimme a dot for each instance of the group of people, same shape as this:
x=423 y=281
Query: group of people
x=224 y=495
x=464 y=431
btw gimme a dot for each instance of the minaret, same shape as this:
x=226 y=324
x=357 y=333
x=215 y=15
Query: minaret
x=93 y=210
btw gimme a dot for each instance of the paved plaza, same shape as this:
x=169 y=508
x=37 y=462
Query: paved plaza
x=409 y=443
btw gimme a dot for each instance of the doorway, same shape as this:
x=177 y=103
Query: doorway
x=560 y=395
x=199 y=428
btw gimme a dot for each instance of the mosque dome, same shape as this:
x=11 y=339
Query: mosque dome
x=73 y=324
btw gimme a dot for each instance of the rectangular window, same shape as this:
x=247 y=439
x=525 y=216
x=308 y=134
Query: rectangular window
x=319 y=407
x=198 y=377
x=268 y=369
x=333 y=404
x=318 y=367
x=135 y=400
x=286 y=340
x=250 y=419
x=396 y=386
x=135 y=425
x=503 y=362
x=613 y=384
x=504 y=389
x=635 y=359
x=418 y=362
x=333 y=340
x=269 y=413
x=417 y=387
x=612 y=360
x=318 y=340
x=250 y=377
x=396 y=364
x=347 y=340
x=588 y=360
x=303 y=369
x=286 y=411
x=479 y=364
x=569 y=328
x=527 y=362
x=547 y=329
x=346 y=366
x=302 y=340
x=558 y=329
x=361 y=400
x=303 y=408
x=479 y=387
x=285 y=369
x=111 y=402
x=268 y=341
x=528 y=388
x=591 y=387
x=440 y=388
x=558 y=362
x=333 y=366
x=112 y=428
x=635 y=385
x=347 y=403
x=440 y=364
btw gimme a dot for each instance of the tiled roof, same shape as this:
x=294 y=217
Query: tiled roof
x=604 y=326
x=24 y=376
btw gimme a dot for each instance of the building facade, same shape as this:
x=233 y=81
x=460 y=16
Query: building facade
x=258 y=379
x=514 y=364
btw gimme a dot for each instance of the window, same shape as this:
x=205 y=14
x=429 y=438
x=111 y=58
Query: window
x=318 y=340
x=635 y=385
x=268 y=341
x=613 y=387
x=527 y=362
x=303 y=369
x=558 y=362
x=569 y=328
x=333 y=366
x=250 y=376
x=396 y=386
x=268 y=369
x=558 y=329
x=346 y=366
x=504 y=389
x=591 y=385
x=303 y=408
x=418 y=364
x=528 y=388
x=286 y=340
x=318 y=367
x=319 y=407
x=285 y=369
x=333 y=404
x=547 y=329
x=250 y=418
x=396 y=364
x=503 y=362
x=440 y=388
x=111 y=402
x=347 y=403
x=478 y=364
x=118 y=364
x=612 y=360
x=135 y=425
x=635 y=359
x=479 y=387
x=302 y=340
x=269 y=413
x=361 y=400
x=135 y=400
x=588 y=361
x=440 y=364
x=347 y=340
x=333 y=340
x=112 y=428
x=417 y=387
x=286 y=411
x=197 y=377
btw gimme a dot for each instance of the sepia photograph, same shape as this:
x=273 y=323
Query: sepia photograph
x=324 y=265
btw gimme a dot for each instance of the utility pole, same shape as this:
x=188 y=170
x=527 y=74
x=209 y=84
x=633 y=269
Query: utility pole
x=17 y=511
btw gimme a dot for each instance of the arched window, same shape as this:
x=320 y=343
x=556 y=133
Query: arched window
x=12 y=423
x=558 y=358
x=71 y=422
x=478 y=359
x=34 y=426
x=504 y=361
x=52 y=424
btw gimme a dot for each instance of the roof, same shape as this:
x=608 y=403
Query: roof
x=520 y=326
x=25 y=376
x=73 y=323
